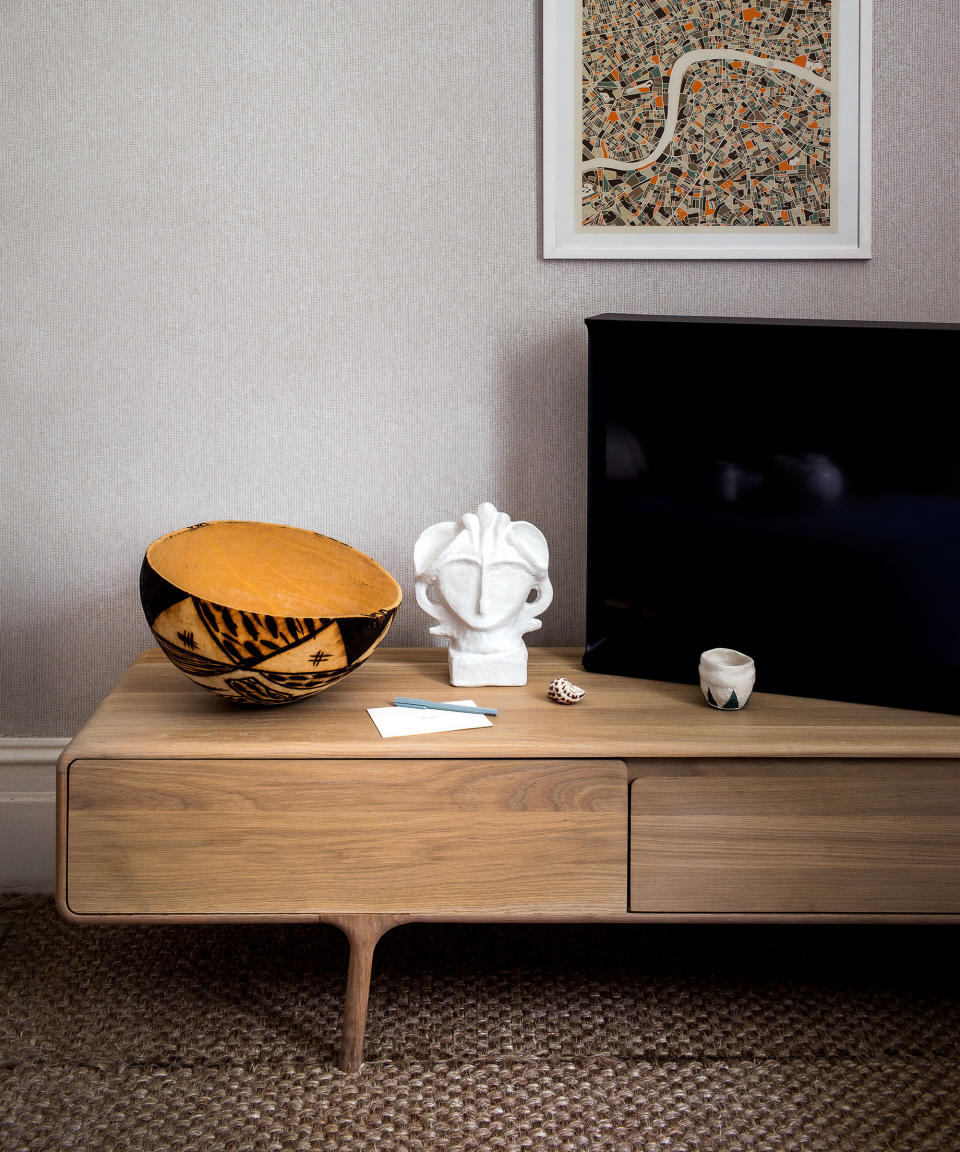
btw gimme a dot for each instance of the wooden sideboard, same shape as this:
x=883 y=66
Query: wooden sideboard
x=638 y=804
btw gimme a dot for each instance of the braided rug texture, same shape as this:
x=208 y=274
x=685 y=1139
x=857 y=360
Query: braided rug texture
x=667 y=1038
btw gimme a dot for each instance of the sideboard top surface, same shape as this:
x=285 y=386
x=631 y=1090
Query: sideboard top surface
x=156 y=712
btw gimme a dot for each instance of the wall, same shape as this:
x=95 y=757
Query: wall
x=280 y=261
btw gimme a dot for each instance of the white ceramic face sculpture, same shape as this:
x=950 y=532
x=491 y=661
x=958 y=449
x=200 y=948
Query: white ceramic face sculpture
x=484 y=578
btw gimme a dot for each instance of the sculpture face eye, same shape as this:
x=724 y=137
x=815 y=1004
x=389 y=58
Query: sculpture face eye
x=432 y=594
x=533 y=595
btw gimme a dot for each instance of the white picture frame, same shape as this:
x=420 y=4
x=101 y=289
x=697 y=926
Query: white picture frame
x=846 y=238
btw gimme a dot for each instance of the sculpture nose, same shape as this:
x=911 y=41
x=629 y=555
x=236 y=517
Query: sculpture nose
x=483 y=596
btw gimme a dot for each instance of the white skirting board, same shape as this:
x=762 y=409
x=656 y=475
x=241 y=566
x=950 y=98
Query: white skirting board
x=28 y=780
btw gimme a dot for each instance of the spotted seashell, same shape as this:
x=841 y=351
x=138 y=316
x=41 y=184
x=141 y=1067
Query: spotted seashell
x=563 y=692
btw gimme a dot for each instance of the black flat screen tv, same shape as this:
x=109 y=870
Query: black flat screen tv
x=790 y=489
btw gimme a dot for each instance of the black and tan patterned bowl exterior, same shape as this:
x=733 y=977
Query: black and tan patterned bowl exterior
x=253 y=657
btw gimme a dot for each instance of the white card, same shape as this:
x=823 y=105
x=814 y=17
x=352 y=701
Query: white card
x=399 y=721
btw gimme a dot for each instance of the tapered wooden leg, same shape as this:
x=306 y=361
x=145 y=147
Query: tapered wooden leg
x=362 y=932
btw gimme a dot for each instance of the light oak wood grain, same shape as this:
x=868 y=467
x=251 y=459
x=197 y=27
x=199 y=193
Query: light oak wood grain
x=858 y=837
x=155 y=712
x=174 y=805
x=216 y=837
x=362 y=933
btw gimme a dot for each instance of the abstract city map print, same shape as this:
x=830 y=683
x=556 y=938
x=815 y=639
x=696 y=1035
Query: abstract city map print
x=705 y=113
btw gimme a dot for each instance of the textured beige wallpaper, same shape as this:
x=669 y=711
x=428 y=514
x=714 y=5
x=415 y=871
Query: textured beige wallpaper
x=280 y=260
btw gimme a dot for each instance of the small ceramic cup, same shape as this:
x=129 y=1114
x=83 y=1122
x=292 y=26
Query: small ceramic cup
x=726 y=678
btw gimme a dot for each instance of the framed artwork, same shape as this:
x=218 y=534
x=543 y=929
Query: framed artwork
x=706 y=129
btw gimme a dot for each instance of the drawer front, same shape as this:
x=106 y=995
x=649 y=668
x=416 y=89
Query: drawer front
x=800 y=836
x=531 y=837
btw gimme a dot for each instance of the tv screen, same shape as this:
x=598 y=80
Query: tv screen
x=790 y=489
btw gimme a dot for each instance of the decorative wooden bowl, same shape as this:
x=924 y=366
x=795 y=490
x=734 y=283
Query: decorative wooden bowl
x=263 y=613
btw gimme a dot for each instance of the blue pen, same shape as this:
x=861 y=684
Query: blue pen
x=407 y=702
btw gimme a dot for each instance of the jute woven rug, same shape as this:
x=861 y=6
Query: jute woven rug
x=680 y=1038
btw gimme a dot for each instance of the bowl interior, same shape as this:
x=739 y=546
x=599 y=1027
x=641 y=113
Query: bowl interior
x=273 y=569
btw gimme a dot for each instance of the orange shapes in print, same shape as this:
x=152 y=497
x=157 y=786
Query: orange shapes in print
x=751 y=14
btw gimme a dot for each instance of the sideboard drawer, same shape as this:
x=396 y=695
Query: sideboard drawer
x=532 y=837
x=795 y=836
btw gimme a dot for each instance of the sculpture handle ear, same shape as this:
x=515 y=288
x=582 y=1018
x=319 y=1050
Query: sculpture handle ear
x=430 y=543
x=532 y=545
x=421 y=584
x=530 y=611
